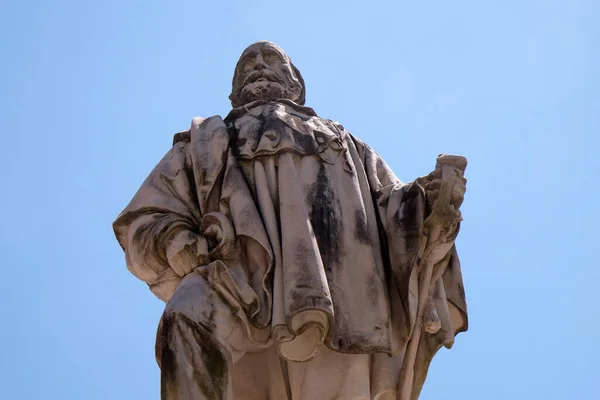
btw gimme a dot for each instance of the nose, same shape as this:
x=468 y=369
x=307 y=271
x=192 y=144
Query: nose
x=260 y=63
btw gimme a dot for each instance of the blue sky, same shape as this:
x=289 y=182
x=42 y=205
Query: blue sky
x=93 y=91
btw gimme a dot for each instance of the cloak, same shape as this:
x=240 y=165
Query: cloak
x=307 y=234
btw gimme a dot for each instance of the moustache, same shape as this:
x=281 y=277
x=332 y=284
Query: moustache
x=256 y=75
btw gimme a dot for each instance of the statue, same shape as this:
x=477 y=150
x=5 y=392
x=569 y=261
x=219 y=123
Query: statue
x=293 y=263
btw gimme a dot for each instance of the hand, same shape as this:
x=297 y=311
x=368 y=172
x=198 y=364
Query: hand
x=432 y=184
x=187 y=251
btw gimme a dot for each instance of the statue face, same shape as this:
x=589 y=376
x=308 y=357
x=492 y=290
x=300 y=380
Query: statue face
x=264 y=72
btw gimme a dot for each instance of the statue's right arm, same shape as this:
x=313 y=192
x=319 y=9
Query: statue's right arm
x=159 y=229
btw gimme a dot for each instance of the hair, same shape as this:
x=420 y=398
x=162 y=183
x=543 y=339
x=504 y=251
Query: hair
x=302 y=96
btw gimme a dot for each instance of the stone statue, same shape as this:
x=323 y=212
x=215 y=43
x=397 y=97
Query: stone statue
x=293 y=263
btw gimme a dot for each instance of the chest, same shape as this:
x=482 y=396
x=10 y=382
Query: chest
x=274 y=128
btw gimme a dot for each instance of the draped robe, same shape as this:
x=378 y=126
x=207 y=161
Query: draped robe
x=311 y=239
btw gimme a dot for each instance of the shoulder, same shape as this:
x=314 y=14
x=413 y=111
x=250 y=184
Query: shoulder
x=185 y=136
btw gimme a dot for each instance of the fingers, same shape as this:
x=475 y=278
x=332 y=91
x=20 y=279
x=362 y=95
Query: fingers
x=458 y=192
x=433 y=190
x=183 y=262
x=432 y=197
x=432 y=185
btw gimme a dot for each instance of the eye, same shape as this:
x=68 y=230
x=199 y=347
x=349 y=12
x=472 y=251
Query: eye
x=247 y=66
x=272 y=59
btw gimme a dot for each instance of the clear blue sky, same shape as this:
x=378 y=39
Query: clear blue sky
x=91 y=93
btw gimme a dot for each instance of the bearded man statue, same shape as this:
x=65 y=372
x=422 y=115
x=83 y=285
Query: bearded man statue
x=294 y=264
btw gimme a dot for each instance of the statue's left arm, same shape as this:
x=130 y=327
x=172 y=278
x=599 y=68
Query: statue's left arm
x=403 y=209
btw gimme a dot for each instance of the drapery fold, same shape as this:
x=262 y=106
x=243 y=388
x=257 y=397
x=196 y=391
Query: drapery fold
x=304 y=231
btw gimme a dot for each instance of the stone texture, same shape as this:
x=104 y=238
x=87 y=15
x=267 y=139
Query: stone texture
x=293 y=262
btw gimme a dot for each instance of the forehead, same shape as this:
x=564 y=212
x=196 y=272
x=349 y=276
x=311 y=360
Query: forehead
x=263 y=47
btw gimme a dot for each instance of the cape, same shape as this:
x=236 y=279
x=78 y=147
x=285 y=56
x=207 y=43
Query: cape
x=311 y=238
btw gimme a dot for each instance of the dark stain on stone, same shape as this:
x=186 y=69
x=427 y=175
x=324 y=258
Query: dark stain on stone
x=361 y=228
x=216 y=366
x=308 y=143
x=308 y=291
x=374 y=289
x=209 y=312
x=408 y=220
x=234 y=139
x=178 y=351
x=149 y=234
x=461 y=290
x=192 y=193
x=360 y=344
x=270 y=121
x=167 y=362
x=184 y=136
x=411 y=219
x=325 y=219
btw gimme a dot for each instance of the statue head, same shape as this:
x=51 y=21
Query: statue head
x=265 y=72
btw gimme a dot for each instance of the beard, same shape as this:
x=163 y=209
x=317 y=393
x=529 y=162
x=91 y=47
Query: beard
x=262 y=90
x=263 y=85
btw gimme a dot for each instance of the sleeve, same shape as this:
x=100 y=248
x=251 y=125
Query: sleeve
x=402 y=210
x=159 y=229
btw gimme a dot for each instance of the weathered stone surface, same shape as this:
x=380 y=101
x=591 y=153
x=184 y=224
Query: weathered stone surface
x=293 y=262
